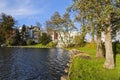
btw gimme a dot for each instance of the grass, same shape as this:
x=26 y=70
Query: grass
x=32 y=46
x=92 y=69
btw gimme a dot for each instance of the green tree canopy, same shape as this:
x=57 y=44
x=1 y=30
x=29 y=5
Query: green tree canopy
x=44 y=39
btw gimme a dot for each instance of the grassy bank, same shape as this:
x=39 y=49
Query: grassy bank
x=92 y=69
x=32 y=46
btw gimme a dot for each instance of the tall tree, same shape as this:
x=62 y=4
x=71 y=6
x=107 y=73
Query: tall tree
x=68 y=28
x=80 y=9
x=23 y=32
x=64 y=26
x=110 y=7
x=49 y=28
x=103 y=11
x=57 y=24
x=6 y=25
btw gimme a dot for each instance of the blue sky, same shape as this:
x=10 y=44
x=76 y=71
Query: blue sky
x=31 y=11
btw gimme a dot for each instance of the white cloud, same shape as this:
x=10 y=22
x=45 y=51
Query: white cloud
x=20 y=8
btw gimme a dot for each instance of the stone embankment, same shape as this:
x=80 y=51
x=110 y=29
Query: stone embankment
x=73 y=53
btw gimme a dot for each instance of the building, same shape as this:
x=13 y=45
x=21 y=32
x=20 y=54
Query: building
x=32 y=33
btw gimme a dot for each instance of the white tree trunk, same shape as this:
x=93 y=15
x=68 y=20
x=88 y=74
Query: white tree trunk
x=109 y=62
x=99 y=52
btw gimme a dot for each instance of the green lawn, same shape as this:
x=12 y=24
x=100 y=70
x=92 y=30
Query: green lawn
x=92 y=69
x=32 y=46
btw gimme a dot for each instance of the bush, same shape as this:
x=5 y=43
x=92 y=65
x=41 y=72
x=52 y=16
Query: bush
x=22 y=42
x=10 y=42
x=51 y=44
x=30 y=42
x=44 y=39
x=70 y=45
x=79 y=41
x=91 y=45
x=116 y=47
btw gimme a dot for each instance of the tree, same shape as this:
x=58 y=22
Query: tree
x=29 y=42
x=80 y=9
x=49 y=27
x=63 y=26
x=103 y=11
x=1 y=36
x=15 y=39
x=57 y=24
x=44 y=39
x=24 y=33
x=67 y=29
x=39 y=25
x=6 y=26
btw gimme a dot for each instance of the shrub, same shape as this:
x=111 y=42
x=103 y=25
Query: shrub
x=29 y=42
x=51 y=44
x=116 y=47
x=11 y=42
x=79 y=41
x=44 y=39
x=91 y=45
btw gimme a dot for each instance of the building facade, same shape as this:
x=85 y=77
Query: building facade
x=32 y=33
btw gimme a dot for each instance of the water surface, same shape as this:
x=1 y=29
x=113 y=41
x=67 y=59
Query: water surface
x=32 y=64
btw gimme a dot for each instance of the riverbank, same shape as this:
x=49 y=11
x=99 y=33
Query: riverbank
x=92 y=68
x=30 y=46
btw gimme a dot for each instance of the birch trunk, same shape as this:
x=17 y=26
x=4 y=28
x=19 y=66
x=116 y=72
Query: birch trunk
x=109 y=62
x=99 y=52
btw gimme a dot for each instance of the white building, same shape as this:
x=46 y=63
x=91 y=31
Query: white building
x=32 y=32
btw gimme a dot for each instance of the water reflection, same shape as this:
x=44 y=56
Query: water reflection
x=32 y=64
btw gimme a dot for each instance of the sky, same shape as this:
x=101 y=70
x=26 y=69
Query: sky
x=31 y=11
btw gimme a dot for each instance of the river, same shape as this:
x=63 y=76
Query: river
x=32 y=64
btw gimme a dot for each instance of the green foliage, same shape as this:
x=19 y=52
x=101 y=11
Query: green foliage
x=44 y=39
x=14 y=39
x=90 y=50
x=10 y=42
x=22 y=42
x=6 y=26
x=79 y=41
x=91 y=45
x=71 y=45
x=63 y=25
x=38 y=46
x=83 y=69
x=91 y=69
x=29 y=42
x=116 y=47
x=51 y=44
x=1 y=40
x=23 y=33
